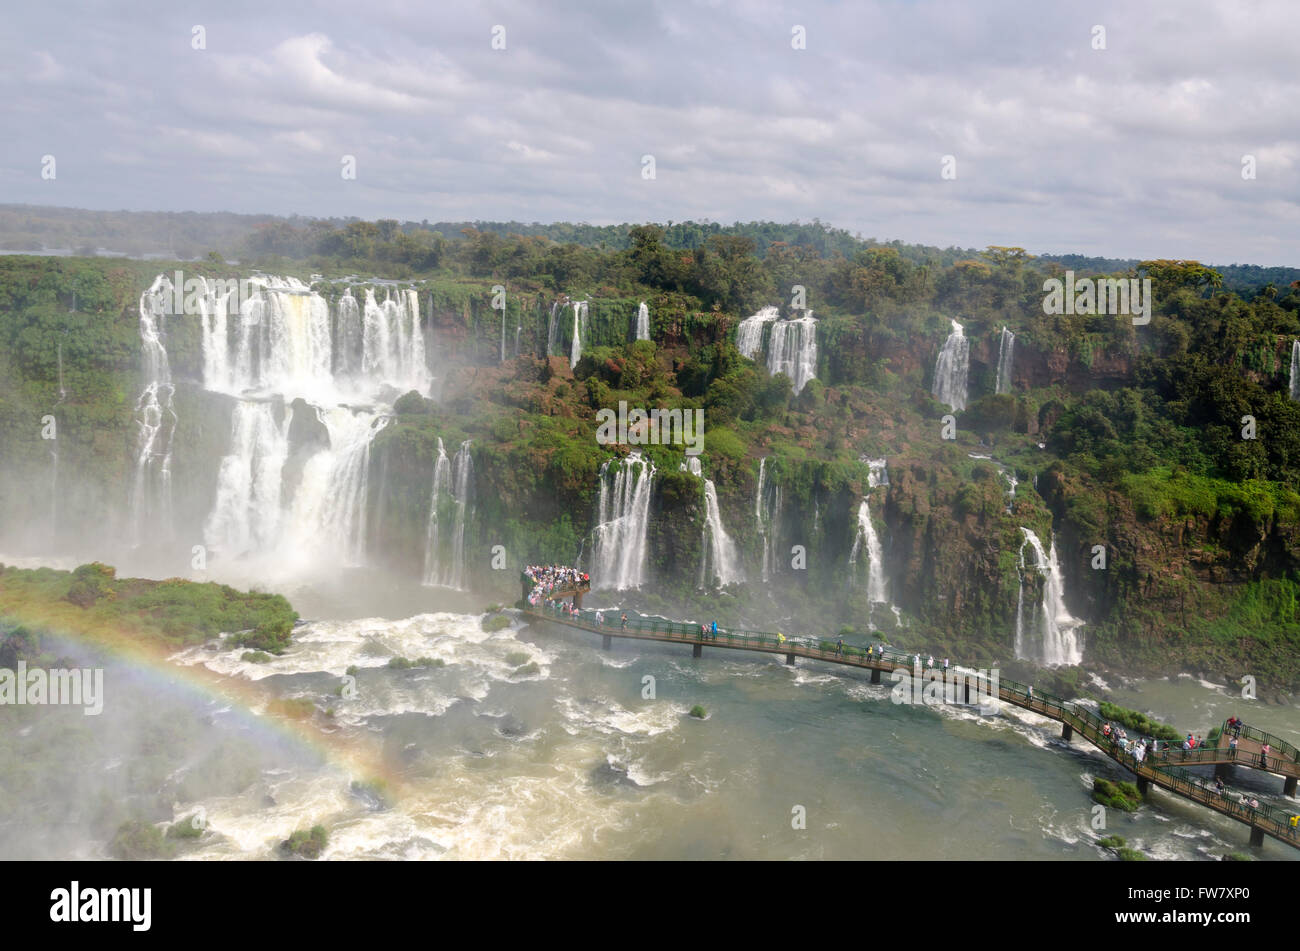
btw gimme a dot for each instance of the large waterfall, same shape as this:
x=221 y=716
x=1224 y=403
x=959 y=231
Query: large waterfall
x=452 y=499
x=1046 y=634
x=1005 y=347
x=275 y=342
x=951 y=368
x=155 y=420
x=866 y=538
x=619 y=557
x=767 y=519
x=579 y=332
x=642 y=322
x=1295 y=370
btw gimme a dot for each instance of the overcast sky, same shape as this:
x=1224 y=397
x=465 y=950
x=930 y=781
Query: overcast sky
x=1134 y=150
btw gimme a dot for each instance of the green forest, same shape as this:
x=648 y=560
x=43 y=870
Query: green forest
x=1173 y=446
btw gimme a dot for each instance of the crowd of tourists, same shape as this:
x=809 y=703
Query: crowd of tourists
x=549 y=578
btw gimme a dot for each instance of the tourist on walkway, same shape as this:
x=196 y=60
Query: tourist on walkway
x=1263 y=755
x=625 y=620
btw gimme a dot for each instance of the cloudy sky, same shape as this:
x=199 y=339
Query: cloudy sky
x=1134 y=150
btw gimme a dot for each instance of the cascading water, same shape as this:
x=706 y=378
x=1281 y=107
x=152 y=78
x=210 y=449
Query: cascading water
x=767 y=518
x=433 y=574
x=453 y=495
x=877 y=591
x=284 y=342
x=328 y=514
x=619 y=555
x=792 y=350
x=643 y=322
x=721 y=559
x=246 y=515
x=1047 y=635
x=1295 y=370
x=155 y=419
x=553 y=332
x=951 y=368
x=749 y=334
x=877 y=472
x=579 y=332
x=1005 y=348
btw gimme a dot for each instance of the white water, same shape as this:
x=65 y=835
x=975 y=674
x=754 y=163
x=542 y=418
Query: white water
x=553 y=332
x=1295 y=371
x=1005 y=348
x=767 y=516
x=619 y=557
x=721 y=557
x=643 y=322
x=579 y=332
x=283 y=341
x=453 y=489
x=749 y=333
x=792 y=350
x=245 y=517
x=866 y=536
x=951 y=368
x=1047 y=634
x=155 y=420
x=877 y=472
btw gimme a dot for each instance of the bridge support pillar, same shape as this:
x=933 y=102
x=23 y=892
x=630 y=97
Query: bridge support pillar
x=875 y=675
x=965 y=691
x=789 y=659
x=606 y=640
x=1143 y=785
x=1067 y=732
x=577 y=600
x=1256 y=836
x=697 y=650
x=1289 y=788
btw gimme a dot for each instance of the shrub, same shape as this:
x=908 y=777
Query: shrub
x=256 y=657
x=494 y=623
x=400 y=663
x=1133 y=720
x=135 y=839
x=308 y=845
x=698 y=712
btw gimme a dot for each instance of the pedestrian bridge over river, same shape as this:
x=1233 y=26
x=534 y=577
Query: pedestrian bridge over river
x=1164 y=769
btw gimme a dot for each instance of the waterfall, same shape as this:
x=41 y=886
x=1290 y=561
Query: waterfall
x=155 y=420
x=642 y=322
x=1005 y=348
x=393 y=342
x=1295 y=370
x=866 y=536
x=1056 y=640
x=453 y=495
x=433 y=574
x=749 y=334
x=792 y=350
x=619 y=558
x=579 y=332
x=245 y=517
x=951 y=368
x=553 y=332
x=351 y=336
x=877 y=472
x=721 y=558
x=767 y=516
